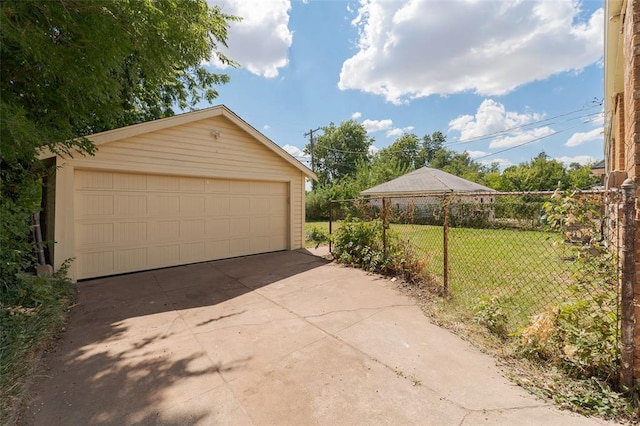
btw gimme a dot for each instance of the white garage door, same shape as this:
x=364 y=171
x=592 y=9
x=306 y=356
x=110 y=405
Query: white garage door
x=130 y=222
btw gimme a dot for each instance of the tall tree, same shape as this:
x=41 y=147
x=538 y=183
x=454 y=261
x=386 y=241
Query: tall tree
x=431 y=144
x=407 y=150
x=580 y=177
x=338 y=151
x=540 y=174
x=69 y=68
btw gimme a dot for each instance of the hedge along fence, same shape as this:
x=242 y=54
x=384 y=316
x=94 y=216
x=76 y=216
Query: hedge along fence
x=505 y=258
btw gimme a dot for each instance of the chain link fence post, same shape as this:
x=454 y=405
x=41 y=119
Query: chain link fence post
x=627 y=322
x=385 y=225
x=446 y=201
x=330 y=224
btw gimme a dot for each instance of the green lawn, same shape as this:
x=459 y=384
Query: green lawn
x=523 y=270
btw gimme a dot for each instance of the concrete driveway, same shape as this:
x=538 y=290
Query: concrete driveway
x=277 y=339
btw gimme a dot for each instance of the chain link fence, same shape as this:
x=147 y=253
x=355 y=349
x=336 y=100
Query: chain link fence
x=521 y=253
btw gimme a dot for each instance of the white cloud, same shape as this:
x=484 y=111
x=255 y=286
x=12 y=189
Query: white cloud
x=373 y=149
x=266 y=127
x=476 y=154
x=356 y=115
x=492 y=118
x=582 y=159
x=415 y=48
x=297 y=152
x=261 y=41
x=521 y=137
x=399 y=131
x=503 y=163
x=372 y=126
x=580 y=138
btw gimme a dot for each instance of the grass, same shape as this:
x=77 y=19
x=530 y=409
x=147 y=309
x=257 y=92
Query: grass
x=31 y=316
x=524 y=271
x=499 y=279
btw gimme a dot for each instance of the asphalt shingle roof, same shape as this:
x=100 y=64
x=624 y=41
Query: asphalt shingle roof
x=426 y=180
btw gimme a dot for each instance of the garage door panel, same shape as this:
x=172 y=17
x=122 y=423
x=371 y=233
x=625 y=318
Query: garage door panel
x=278 y=243
x=95 y=233
x=217 y=249
x=130 y=259
x=279 y=188
x=191 y=229
x=90 y=205
x=192 y=205
x=127 y=222
x=260 y=205
x=260 y=226
x=93 y=180
x=239 y=187
x=217 y=206
x=277 y=226
x=239 y=206
x=192 y=252
x=217 y=186
x=188 y=184
x=164 y=205
x=127 y=232
x=239 y=227
x=164 y=255
x=125 y=182
x=260 y=244
x=131 y=205
x=95 y=263
x=240 y=246
x=164 y=230
x=218 y=229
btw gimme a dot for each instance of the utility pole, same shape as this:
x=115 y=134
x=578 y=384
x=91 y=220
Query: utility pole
x=312 y=146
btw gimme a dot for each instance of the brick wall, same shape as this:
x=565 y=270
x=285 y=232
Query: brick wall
x=629 y=157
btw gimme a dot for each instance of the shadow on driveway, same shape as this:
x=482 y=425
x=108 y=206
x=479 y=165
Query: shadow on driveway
x=128 y=352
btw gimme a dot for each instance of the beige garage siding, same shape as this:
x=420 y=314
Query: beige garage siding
x=129 y=222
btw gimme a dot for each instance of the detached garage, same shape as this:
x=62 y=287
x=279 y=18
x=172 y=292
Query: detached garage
x=199 y=186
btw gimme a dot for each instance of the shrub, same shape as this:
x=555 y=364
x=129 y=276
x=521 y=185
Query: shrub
x=490 y=314
x=32 y=313
x=366 y=245
x=317 y=236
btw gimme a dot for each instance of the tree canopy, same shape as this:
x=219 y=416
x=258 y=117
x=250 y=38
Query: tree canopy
x=337 y=152
x=70 y=68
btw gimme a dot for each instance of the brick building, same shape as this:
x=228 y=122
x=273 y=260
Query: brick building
x=622 y=123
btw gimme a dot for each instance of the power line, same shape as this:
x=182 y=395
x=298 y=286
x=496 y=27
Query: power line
x=591 y=117
x=312 y=146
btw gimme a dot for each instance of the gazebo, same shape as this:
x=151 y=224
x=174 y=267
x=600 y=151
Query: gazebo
x=419 y=194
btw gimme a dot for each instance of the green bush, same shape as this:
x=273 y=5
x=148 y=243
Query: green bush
x=491 y=314
x=363 y=244
x=317 y=236
x=32 y=312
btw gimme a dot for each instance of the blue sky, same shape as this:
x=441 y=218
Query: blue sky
x=501 y=79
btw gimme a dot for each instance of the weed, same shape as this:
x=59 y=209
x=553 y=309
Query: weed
x=317 y=236
x=32 y=313
x=490 y=314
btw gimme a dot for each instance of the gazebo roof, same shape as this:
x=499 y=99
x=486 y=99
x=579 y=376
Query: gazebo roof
x=424 y=181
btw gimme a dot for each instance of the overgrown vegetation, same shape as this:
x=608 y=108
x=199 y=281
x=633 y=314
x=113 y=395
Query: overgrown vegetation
x=580 y=336
x=547 y=297
x=372 y=247
x=31 y=315
x=317 y=236
x=71 y=69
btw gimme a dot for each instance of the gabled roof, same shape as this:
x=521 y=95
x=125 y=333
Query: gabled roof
x=426 y=180
x=177 y=120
